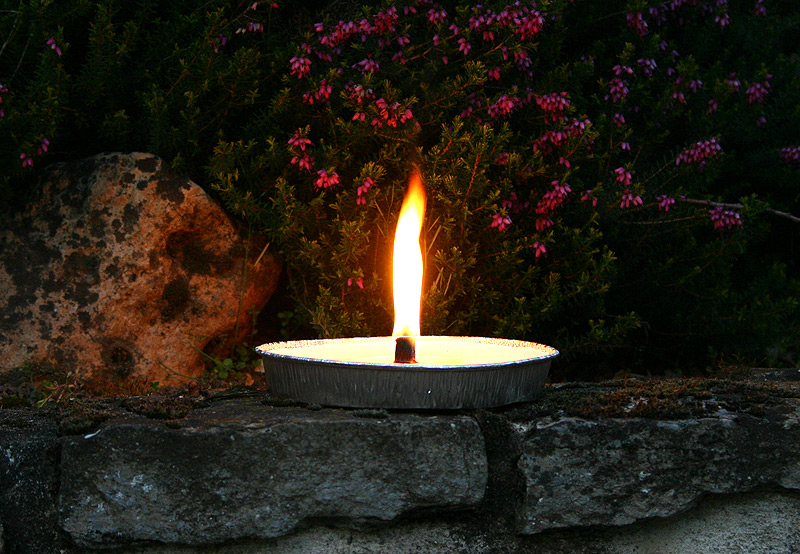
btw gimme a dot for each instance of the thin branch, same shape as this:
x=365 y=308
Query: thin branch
x=736 y=206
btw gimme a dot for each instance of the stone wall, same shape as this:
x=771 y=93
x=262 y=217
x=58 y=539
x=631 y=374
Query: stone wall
x=623 y=467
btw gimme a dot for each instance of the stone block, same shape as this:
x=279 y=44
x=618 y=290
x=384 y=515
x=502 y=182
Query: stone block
x=28 y=484
x=250 y=471
x=617 y=471
x=120 y=269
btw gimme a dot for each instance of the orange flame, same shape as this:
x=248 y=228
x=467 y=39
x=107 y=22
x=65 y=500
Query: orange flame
x=407 y=261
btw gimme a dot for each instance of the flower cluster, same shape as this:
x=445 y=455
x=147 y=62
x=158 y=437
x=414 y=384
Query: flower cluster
x=325 y=179
x=757 y=92
x=724 y=219
x=51 y=42
x=791 y=154
x=699 y=152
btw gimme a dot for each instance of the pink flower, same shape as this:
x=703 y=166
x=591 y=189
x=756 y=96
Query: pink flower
x=588 y=196
x=26 y=160
x=648 y=65
x=299 y=141
x=628 y=198
x=528 y=26
x=504 y=106
x=359 y=282
x=51 y=42
x=619 y=120
x=300 y=67
x=500 y=221
x=362 y=191
x=724 y=219
x=623 y=177
x=303 y=162
x=494 y=73
x=757 y=92
x=618 y=90
x=436 y=17
x=324 y=90
x=712 y=106
x=464 y=46
x=664 y=202
x=326 y=180
x=543 y=223
x=699 y=152
x=637 y=23
x=760 y=10
x=539 y=248
x=791 y=154
x=625 y=146
x=367 y=65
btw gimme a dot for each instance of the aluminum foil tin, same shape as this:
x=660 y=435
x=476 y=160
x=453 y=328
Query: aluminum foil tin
x=291 y=372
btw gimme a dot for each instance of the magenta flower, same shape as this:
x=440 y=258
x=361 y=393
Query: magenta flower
x=504 y=106
x=539 y=248
x=500 y=221
x=757 y=92
x=299 y=141
x=664 y=202
x=623 y=177
x=589 y=196
x=303 y=162
x=628 y=198
x=367 y=65
x=648 y=65
x=436 y=17
x=618 y=90
x=724 y=219
x=359 y=282
x=712 y=106
x=494 y=73
x=699 y=152
x=27 y=161
x=760 y=10
x=362 y=191
x=733 y=82
x=543 y=223
x=51 y=42
x=326 y=180
x=791 y=154
x=528 y=26
x=636 y=22
x=619 y=120
x=300 y=67
x=464 y=46
x=625 y=146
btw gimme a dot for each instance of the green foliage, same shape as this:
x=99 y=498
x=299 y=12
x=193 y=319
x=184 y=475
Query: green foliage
x=548 y=143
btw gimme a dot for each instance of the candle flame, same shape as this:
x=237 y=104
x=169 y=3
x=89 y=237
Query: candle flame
x=407 y=261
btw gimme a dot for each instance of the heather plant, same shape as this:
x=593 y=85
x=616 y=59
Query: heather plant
x=598 y=180
x=618 y=183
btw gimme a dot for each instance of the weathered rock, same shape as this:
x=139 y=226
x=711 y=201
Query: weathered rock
x=615 y=472
x=28 y=484
x=120 y=269
x=248 y=471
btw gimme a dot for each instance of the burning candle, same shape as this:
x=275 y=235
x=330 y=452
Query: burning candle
x=426 y=371
x=407 y=272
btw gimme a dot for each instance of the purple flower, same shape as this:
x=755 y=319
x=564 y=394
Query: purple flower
x=791 y=154
x=724 y=219
x=436 y=17
x=699 y=152
x=367 y=65
x=712 y=106
x=664 y=202
x=637 y=23
x=628 y=198
x=51 y=42
x=504 y=106
x=618 y=90
x=757 y=92
x=623 y=177
x=648 y=65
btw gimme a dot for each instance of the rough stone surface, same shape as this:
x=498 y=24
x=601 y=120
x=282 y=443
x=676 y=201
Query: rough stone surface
x=757 y=523
x=241 y=471
x=614 y=472
x=28 y=484
x=120 y=269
